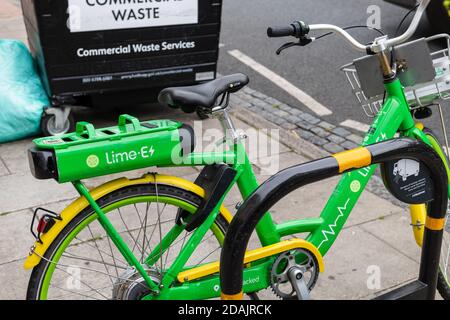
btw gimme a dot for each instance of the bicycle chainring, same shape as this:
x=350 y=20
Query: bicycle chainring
x=299 y=258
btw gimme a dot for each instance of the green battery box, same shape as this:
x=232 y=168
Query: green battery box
x=90 y=152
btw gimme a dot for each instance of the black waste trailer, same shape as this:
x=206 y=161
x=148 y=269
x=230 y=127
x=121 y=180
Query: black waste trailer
x=113 y=52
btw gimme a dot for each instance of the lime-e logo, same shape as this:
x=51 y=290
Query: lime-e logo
x=92 y=161
x=119 y=157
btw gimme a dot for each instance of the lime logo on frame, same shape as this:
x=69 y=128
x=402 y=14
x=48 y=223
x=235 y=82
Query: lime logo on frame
x=92 y=161
x=355 y=186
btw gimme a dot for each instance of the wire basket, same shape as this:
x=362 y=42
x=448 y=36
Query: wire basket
x=426 y=79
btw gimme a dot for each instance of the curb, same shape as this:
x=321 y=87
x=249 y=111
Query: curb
x=289 y=138
x=329 y=137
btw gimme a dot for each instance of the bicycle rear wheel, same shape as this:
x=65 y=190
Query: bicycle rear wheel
x=83 y=263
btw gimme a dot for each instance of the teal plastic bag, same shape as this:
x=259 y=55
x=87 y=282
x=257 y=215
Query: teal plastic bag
x=22 y=96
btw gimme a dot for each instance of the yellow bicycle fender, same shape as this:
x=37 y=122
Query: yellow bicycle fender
x=69 y=213
x=418 y=216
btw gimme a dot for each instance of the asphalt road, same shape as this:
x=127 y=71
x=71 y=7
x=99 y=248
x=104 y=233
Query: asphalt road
x=315 y=68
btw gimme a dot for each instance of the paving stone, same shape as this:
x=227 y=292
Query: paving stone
x=281 y=113
x=341 y=132
x=262 y=104
x=239 y=102
x=273 y=101
x=244 y=96
x=292 y=119
x=14 y=156
x=355 y=138
x=320 y=132
x=336 y=139
x=253 y=108
x=278 y=120
x=326 y=125
x=305 y=134
x=248 y=90
x=15 y=278
x=24 y=191
x=333 y=147
x=3 y=170
x=304 y=125
x=259 y=95
x=288 y=126
x=318 y=141
x=353 y=255
x=396 y=230
x=15 y=233
x=349 y=145
x=269 y=116
x=293 y=111
x=309 y=118
x=285 y=107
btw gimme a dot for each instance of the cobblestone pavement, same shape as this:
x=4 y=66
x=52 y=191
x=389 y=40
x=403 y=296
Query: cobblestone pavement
x=323 y=134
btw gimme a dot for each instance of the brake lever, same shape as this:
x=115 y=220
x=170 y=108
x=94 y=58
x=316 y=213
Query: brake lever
x=303 y=41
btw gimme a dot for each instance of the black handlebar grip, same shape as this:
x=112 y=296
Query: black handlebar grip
x=274 y=32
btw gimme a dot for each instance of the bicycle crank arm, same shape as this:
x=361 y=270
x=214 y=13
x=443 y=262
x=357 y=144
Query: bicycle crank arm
x=298 y=283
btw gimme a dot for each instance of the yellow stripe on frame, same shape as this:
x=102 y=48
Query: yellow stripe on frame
x=434 y=224
x=238 y=296
x=353 y=159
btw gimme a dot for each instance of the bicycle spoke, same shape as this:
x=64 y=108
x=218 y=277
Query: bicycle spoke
x=207 y=256
x=101 y=256
x=73 y=292
x=87 y=285
x=104 y=252
x=153 y=231
x=126 y=227
x=114 y=258
x=145 y=230
x=71 y=256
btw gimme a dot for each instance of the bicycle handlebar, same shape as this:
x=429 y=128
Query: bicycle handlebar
x=274 y=32
x=304 y=29
x=297 y=29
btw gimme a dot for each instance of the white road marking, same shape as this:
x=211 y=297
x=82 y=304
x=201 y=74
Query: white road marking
x=301 y=96
x=355 y=125
x=221 y=45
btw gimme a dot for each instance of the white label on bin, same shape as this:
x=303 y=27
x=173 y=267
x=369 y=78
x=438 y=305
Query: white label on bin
x=96 y=15
x=202 y=76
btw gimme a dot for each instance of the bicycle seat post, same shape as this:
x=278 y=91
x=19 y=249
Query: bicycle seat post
x=221 y=113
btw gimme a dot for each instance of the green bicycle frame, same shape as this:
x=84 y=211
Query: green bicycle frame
x=394 y=117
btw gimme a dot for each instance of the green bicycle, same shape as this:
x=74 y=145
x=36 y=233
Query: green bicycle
x=160 y=236
x=144 y=238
